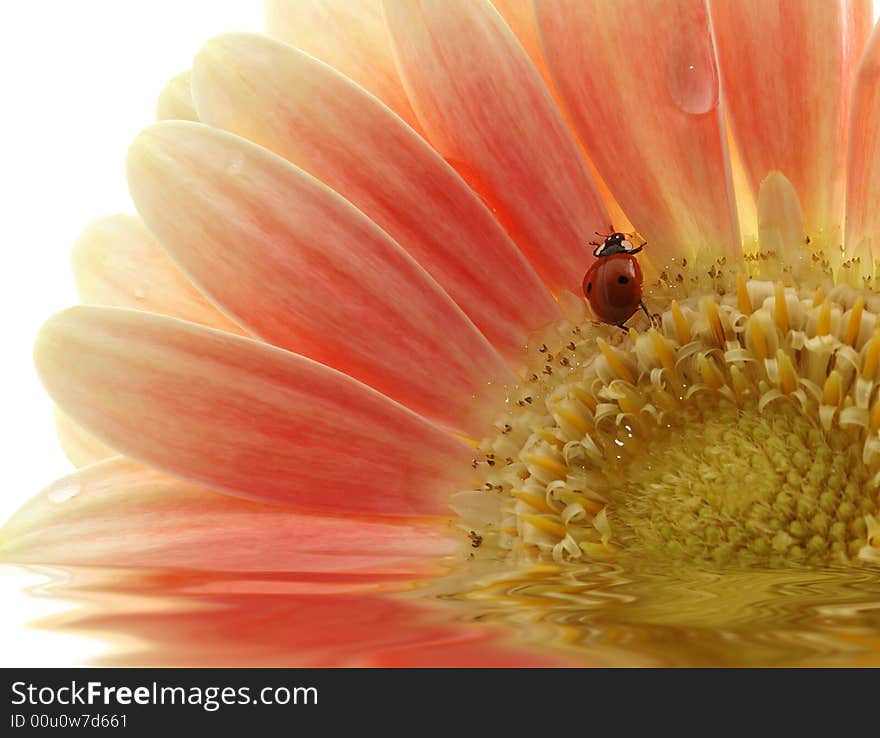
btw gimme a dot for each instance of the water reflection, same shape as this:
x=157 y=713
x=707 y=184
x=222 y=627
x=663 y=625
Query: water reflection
x=481 y=614
x=631 y=615
x=164 y=618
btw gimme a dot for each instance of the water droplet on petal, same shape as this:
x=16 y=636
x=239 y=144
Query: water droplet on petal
x=691 y=73
x=139 y=295
x=64 y=490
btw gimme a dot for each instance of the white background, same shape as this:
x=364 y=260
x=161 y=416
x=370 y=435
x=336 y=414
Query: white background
x=79 y=79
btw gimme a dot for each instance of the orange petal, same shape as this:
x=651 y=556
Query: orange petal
x=787 y=69
x=80 y=447
x=302 y=268
x=746 y=206
x=641 y=87
x=300 y=108
x=350 y=36
x=486 y=109
x=863 y=163
x=119 y=514
x=116 y=261
x=176 y=102
x=242 y=416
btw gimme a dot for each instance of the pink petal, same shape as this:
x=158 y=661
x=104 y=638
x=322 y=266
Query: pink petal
x=787 y=69
x=244 y=417
x=485 y=108
x=176 y=102
x=80 y=447
x=640 y=85
x=116 y=261
x=350 y=36
x=300 y=108
x=520 y=16
x=302 y=268
x=119 y=514
x=863 y=163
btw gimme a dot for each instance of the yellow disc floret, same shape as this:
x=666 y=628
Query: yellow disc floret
x=741 y=425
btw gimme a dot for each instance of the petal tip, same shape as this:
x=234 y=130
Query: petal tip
x=53 y=340
x=175 y=101
x=156 y=137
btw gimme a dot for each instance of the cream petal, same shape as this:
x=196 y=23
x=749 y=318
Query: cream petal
x=175 y=101
x=863 y=162
x=350 y=36
x=780 y=219
x=787 y=69
x=302 y=109
x=640 y=85
x=119 y=514
x=117 y=261
x=302 y=268
x=485 y=108
x=242 y=416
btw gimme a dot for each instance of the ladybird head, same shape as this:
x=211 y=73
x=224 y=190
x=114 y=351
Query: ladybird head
x=615 y=243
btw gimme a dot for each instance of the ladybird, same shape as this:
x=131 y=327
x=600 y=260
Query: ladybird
x=613 y=284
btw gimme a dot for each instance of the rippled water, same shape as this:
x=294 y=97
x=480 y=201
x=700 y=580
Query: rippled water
x=629 y=615
x=602 y=614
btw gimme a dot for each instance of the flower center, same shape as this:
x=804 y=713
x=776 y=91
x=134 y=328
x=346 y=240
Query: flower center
x=727 y=483
x=741 y=427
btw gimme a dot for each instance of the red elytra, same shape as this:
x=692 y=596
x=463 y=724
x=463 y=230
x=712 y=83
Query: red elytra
x=613 y=284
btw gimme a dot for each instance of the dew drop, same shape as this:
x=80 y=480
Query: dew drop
x=139 y=295
x=63 y=491
x=691 y=73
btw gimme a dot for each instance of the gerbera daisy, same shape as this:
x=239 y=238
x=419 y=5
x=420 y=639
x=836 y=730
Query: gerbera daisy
x=345 y=346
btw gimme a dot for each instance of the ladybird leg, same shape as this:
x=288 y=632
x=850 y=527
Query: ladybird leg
x=655 y=318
